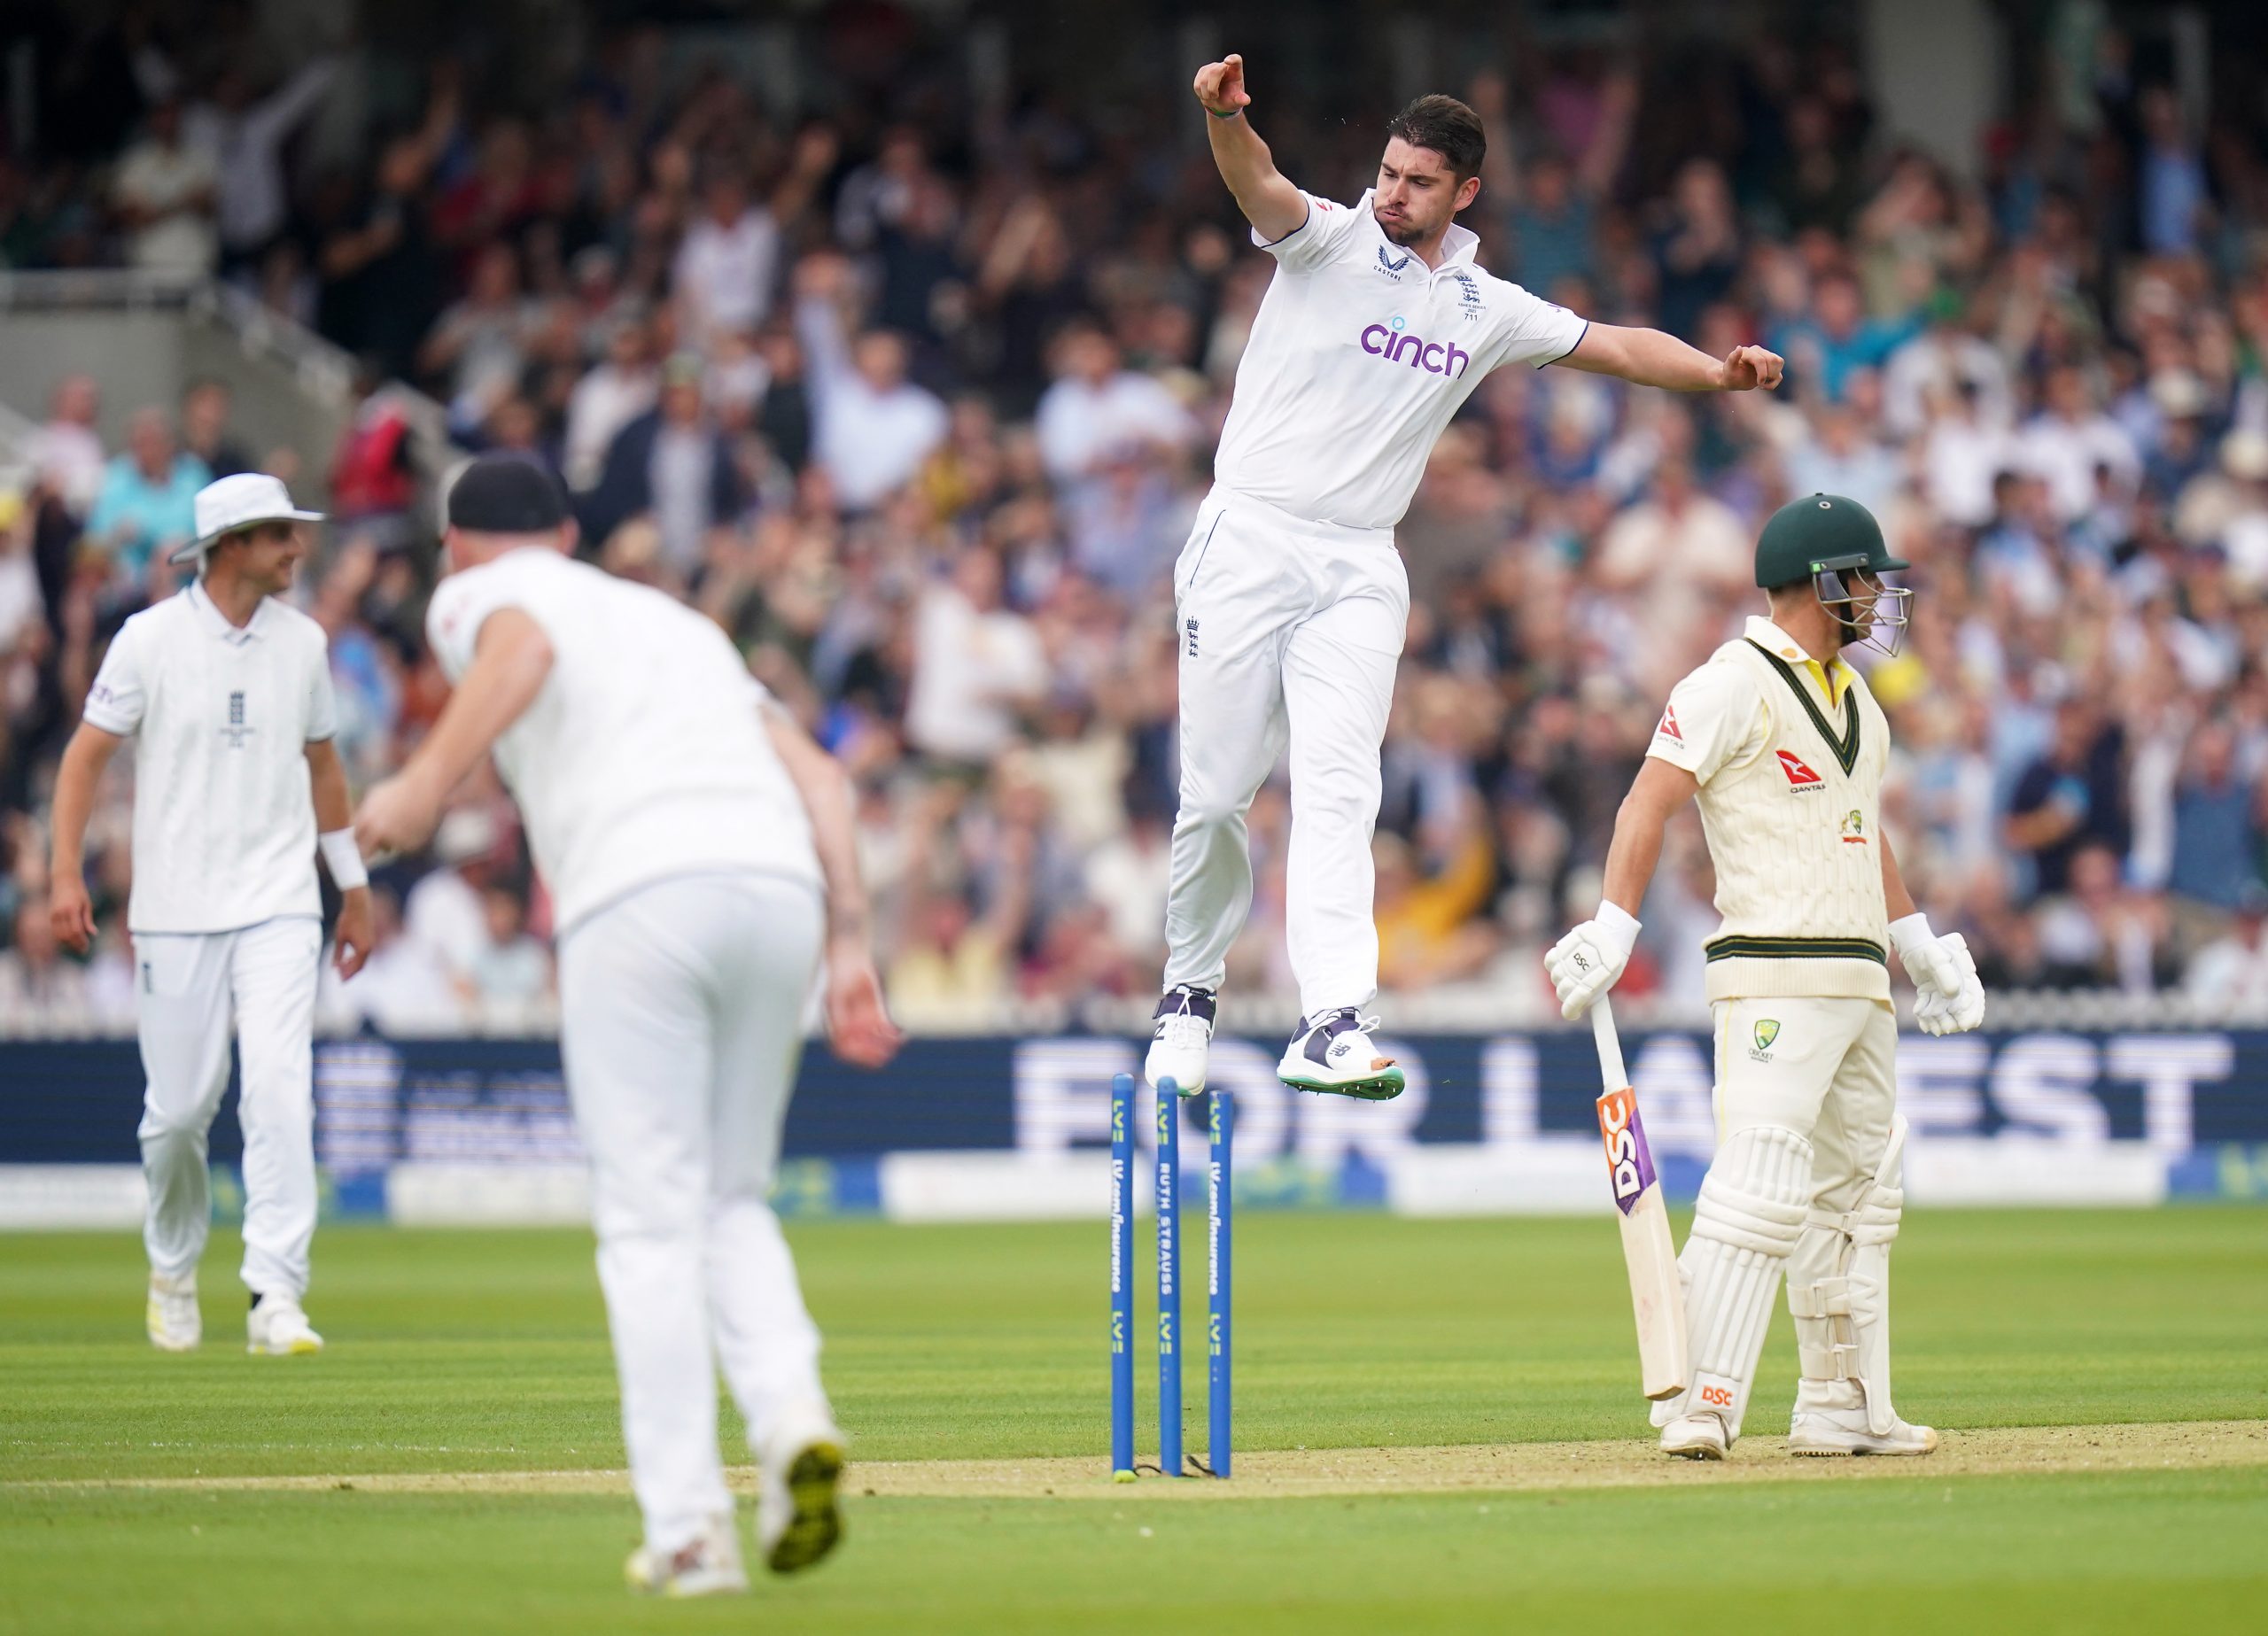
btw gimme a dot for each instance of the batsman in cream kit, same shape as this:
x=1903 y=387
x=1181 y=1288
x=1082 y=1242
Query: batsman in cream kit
x=1782 y=745
x=1290 y=602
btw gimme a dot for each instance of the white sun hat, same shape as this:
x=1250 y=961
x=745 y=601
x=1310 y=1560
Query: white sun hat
x=240 y=501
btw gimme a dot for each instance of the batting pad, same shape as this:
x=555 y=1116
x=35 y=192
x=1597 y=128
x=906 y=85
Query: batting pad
x=1839 y=1293
x=1749 y=1215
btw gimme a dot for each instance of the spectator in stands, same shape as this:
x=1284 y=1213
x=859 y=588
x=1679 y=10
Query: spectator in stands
x=2229 y=976
x=2217 y=832
x=1099 y=410
x=674 y=466
x=511 y=972
x=67 y=451
x=145 y=508
x=2064 y=443
x=246 y=136
x=204 y=431
x=2069 y=798
x=164 y=195
x=872 y=427
x=610 y=397
x=976 y=664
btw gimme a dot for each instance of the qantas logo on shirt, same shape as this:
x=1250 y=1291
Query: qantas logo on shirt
x=1668 y=729
x=1800 y=776
x=1392 y=342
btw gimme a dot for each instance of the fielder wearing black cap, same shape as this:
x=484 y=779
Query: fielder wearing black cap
x=506 y=493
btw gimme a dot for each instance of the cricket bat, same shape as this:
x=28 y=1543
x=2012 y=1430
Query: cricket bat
x=1656 y=1294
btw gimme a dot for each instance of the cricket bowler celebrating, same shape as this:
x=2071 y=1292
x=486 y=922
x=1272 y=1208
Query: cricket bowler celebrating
x=227 y=688
x=1290 y=598
x=700 y=850
x=1784 y=745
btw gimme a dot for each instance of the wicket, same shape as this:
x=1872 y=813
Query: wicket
x=1219 y=1255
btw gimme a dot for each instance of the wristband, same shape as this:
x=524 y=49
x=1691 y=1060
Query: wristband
x=345 y=857
x=1912 y=932
x=1230 y=114
x=1618 y=923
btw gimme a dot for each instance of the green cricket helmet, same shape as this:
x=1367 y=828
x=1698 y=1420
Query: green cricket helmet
x=1836 y=543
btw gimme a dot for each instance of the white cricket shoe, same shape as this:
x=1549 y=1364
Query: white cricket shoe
x=176 y=1323
x=1179 y=1042
x=708 y=1564
x=1817 y=1431
x=1696 y=1436
x=278 y=1329
x=1334 y=1051
x=798 y=1519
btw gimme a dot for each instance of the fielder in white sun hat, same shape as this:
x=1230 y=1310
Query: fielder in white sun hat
x=240 y=501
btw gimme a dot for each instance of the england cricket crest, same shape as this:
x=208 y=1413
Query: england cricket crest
x=237 y=731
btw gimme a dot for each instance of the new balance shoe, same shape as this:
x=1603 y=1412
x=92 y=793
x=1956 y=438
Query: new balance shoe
x=1179 y=1043
x=1819 y=1432
x=278 y=1329
x=175 y=1324
x=1334 y=1051
x=1696 y=1436
x=708 y=1564
x=797 y=1518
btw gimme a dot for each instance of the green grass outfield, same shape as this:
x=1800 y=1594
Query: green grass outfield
x=486 y=1353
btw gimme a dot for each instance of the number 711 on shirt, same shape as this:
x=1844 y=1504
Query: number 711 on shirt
x=1657 y=1298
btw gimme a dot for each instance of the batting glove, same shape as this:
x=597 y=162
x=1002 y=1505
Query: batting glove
x=1585 y=963
x=1948 y=999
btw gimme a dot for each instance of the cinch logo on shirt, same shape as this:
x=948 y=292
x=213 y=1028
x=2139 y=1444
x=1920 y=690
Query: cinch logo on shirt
x=1390 y=343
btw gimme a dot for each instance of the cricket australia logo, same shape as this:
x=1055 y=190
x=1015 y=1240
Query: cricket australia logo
x=235 y=733
x=1766 y=1031
x=1854 y=828
x=1391 y=267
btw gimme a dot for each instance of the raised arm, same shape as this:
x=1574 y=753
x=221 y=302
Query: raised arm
x=1270 y=201
x=512 y=659
x=858 y=1023
x=69 y=908
x=1586 y=962
x=1650 y=358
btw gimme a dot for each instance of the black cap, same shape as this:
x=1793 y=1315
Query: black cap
x=506 y=493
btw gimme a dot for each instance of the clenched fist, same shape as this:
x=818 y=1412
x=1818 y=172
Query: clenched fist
x=1748 y=367
x=1220 y=87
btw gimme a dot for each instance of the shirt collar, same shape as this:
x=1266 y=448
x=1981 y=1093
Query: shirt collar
x=1458 y=245
x=1773 y=640
x=216 y=622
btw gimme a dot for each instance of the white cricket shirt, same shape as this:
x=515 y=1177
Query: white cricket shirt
x=1359 y=356
x=224 y=816
x=644 y=755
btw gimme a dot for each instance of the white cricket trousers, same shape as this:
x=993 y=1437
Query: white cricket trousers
x=1289 y=632
x=192 y=991
x=1829 y=1072
x=681 y=1011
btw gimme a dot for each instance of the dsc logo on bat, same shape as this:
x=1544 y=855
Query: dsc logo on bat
x=1628 y=1160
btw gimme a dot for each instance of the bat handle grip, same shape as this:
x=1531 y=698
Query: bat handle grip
x=1611 y=1072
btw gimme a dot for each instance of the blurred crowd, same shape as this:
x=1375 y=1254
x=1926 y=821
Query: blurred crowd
x=917 y=399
